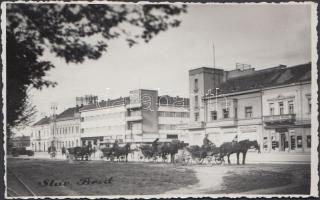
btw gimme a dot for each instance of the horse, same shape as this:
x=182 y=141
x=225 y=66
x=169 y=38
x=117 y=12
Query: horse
x=228 y=148
x=83 y=152
x=171 y=149
x=119 y=152
x=148 y=152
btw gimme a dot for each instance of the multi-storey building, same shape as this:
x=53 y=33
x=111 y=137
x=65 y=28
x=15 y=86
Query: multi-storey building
x=142 y=117
x=271 y=105
x=62 y=130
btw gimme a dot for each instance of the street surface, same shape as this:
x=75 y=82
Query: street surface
x=45 y=177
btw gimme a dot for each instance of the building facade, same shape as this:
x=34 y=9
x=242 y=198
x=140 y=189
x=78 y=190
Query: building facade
x=61 y=130
x=271 y=106
x=141 y=117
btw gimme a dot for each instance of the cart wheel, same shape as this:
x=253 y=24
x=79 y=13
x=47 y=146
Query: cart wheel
x=218 y=160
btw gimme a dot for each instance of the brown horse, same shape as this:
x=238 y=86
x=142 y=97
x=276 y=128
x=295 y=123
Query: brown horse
x=171 y=149
x=228 y=148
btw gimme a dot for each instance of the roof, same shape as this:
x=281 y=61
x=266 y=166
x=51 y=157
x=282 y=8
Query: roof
x=268 y=78
x=69 y=112
x=42 y=121
x=109 y=103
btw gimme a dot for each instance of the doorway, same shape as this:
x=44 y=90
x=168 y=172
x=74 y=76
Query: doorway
x=282 y=141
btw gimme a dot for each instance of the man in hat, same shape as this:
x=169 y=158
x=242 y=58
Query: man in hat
x=235 y=139
x=206 y=142
x=155 y=145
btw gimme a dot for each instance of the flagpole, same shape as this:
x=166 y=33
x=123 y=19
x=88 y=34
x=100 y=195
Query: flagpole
x=214 y=57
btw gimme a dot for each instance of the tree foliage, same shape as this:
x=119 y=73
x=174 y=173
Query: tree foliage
x=70 y=31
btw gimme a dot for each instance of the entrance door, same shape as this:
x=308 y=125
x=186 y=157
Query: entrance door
x=282 y=141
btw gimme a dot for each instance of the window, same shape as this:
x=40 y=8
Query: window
x=213 y=115
x=308 y=141
x=293 y=142
x=196 y=85
x=290 y=107
x=82 y=130
x=299 y=141
x=82 y=119
x=172 y=114
x=172 y=136
x=196 y=102
x=281 y=108
x=225 y=113
x=271 y=108
x=161 y=113
x=309 y=105
x=248 y=112
x=196 y=116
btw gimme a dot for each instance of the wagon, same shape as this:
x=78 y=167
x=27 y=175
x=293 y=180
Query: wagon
x=199 y=155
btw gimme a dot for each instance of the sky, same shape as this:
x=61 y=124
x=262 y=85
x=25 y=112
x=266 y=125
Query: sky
x=260 y=35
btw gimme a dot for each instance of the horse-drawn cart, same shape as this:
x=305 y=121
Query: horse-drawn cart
x=199 y=155
x=83 y=153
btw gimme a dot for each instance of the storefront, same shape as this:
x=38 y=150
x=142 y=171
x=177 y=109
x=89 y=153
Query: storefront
x=287 y=139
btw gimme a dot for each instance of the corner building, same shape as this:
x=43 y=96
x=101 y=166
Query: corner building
x=271 y=106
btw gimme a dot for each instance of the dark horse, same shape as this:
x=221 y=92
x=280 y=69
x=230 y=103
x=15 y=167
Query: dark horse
x=228 y=148
x=171 y=149
x=148 y=152
x=122 y=151
x=117 y=152
x=81 y=152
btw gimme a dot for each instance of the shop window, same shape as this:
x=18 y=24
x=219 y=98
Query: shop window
x=225 y=113
x=248 y=112
x=308 y=141
x=265 y=143
x=299 y=141
x=293 y=142
x=172 y=136
x=213 y=115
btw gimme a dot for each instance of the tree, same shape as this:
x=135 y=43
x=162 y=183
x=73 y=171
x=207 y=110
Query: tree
x=66 y=29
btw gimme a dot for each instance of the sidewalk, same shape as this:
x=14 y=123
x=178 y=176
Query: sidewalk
x=278 y=157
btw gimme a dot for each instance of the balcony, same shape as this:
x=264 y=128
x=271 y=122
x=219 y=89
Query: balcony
x=134 y=106
x=280 y=119
x=134 y=118
x=197 y=125
x=133 y=131
x=227 y=122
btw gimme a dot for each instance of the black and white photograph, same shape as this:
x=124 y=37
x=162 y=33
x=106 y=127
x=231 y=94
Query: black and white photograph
x=140 y=100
